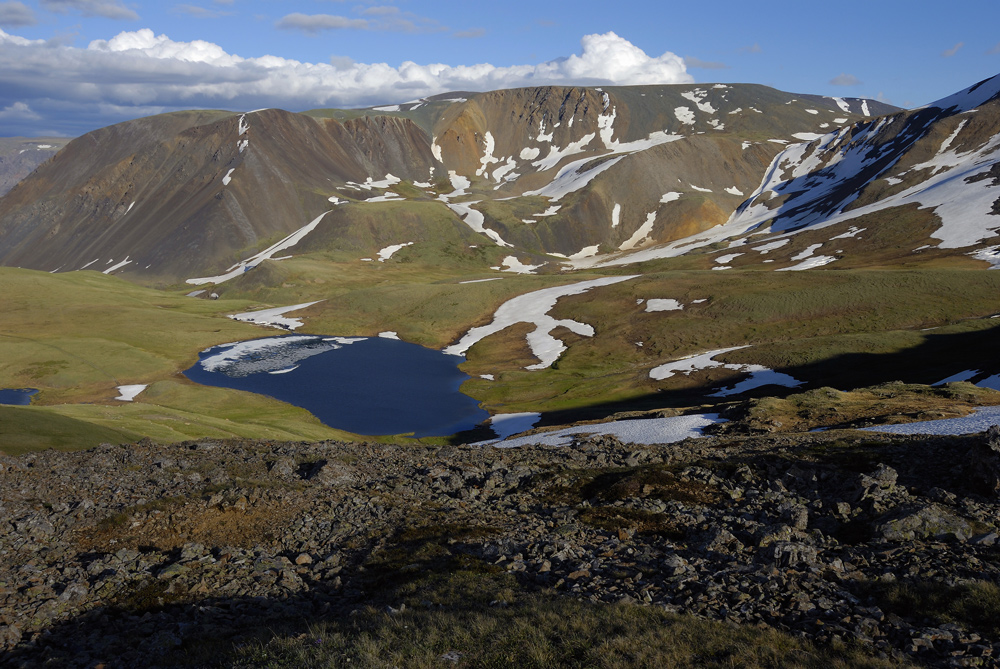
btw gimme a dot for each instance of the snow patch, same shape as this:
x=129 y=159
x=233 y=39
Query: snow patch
x=809 y=263
x=459 y=184
x=698 y=98
x=585 y=252
x=979 y=421
x=508 y=424
x=117 y=266
x=515 y=266
x=693 y=363
x=641 y=234
x=657 y=304
x=274 y=317
x=533 y=308
x=129 y=393
x=990 y=254
x=770 y=246
x=488 y=157
x=649 y=431
x=388 y=251
x=684 y=115
x=961 y=376
x=851 y=233
x=257 y=356
x=475 y=219
x=759 y=375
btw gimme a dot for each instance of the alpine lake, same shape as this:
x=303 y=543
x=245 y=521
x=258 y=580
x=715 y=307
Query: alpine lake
x=365 y=385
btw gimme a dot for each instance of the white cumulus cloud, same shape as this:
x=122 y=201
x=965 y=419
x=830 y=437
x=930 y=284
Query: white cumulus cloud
x=18 y=110
x=153 y=72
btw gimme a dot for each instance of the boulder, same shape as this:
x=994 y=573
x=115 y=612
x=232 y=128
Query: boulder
x=983 y=468
x=927 y=522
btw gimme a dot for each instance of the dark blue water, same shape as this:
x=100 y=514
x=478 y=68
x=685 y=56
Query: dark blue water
x=370 y=386
x=18 y=396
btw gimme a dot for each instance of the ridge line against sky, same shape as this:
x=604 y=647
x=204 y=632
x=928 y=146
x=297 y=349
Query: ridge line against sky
x=70 y=66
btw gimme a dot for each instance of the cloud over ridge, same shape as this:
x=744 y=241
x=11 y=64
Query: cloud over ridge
x=142 y=69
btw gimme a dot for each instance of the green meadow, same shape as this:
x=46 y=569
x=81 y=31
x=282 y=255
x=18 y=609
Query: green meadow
x=78 y=335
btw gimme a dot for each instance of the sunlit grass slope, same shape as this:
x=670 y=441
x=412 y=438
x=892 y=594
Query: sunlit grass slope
x=842 y=328
x=76 y=336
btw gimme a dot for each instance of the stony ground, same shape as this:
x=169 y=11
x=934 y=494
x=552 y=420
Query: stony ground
x=126 y=555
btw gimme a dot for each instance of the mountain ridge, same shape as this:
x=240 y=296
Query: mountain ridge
x=304 y=163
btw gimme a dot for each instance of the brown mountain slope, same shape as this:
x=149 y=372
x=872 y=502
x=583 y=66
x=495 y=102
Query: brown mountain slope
x=182 y=194
x=549 y=170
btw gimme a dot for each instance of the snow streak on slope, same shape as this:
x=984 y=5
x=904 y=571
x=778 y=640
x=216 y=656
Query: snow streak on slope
x=573 y=177
x=248 y=264
x=475 y=219
x=534 y=308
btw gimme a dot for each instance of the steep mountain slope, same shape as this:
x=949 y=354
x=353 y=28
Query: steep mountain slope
x=914 y=185
x=173 y=195
x=543 y=172
x=941 y=159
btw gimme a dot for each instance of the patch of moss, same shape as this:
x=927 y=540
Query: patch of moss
x=643 y=522
x=647 y=482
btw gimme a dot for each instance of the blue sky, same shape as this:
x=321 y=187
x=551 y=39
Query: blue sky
x=69 y=66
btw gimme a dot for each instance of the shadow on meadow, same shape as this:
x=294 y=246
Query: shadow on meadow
x=938 y=357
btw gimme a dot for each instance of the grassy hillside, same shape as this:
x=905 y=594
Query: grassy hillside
x=76 y=336
x=842 y=328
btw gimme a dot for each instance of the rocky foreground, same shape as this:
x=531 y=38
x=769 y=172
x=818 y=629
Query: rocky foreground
x=126 y=555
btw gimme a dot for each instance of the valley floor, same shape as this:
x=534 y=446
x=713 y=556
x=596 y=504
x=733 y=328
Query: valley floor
x=839 y=548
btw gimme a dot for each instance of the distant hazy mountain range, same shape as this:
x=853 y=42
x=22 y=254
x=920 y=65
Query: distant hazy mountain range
x=19 y=156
